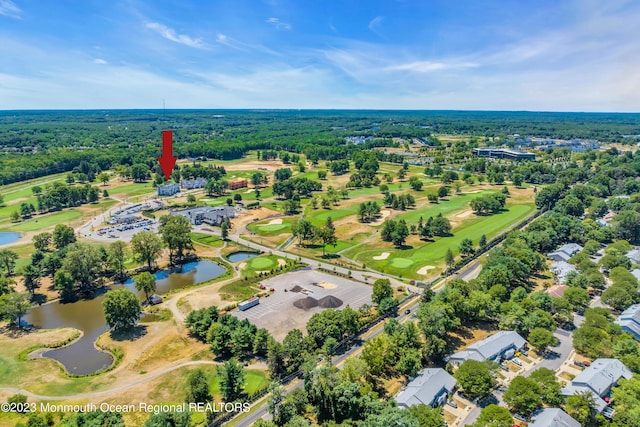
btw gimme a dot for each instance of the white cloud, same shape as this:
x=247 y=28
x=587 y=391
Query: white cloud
x=170 y=34
x=100 y=61
x=429 y=66
x=8 y=8
x=276 y=22
x=374 y=25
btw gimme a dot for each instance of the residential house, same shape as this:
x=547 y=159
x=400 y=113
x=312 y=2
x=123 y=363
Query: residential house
x=207 y=214
x=557 y=291
x=634 y=256
x=598 y=379
x=168 y=189
x=564 y=252
x=432 y=386
x=235 y=184
x=553 y=417
x=629 y=320
x=561 y=269
x=501 y=345
x=190 y=184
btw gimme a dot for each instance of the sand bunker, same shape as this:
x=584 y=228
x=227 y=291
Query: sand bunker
x=242 y=266
x=281 y=262
x=276 y=221
x=383 y=215
x=306 y=303
x=251 y=190
x=425 y=269
x=382 y=256
x=465 y=214
x=330 y=302
x=326 y=285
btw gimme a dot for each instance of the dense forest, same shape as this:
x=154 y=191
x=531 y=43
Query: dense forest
x=38 y=143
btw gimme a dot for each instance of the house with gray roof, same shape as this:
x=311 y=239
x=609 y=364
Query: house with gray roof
x=598 y=379
x=168 y=189
x=634 y=255
x=501 y=345
x=561 y=269
x=432 y=386
x=629 y=320
x=564 y=252
x=553 y=417
x=190 y=184
x=207 y=214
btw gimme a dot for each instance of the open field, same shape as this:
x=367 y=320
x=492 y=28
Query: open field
x=131 y=189
x=41 y=222
x=207 y=240
x=278 y=314
x=418 y=254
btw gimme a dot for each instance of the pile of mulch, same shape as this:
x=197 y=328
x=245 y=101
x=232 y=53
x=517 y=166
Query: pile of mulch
x=296 y=288
x=330 y=302
x=306 y=303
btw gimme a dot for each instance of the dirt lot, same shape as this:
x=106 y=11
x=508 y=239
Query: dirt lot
x=277 y=312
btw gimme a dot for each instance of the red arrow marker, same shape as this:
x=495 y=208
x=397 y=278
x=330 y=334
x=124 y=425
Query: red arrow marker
x=167 y=161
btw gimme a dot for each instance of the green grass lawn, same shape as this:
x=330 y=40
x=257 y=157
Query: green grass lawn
x=207 y=239
x=132 y=189
x=319 y=216
x=453 y=203
x=265 y=229
x=237 y=291
x=40 y=222
x=406 y=262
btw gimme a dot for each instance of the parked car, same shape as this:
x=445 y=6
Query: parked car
x=578 y=363
x=516 y=361
x=587 y=363
x=608 y=412
x=407 y=311
x=519 y=417
x=504 y=367
x=452 y=403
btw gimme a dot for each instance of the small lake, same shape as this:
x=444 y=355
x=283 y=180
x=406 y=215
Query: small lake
x=241 y=256
x=82 y=357
x=7 y=237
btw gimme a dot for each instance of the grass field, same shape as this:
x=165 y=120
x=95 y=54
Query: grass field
x=129 y=190
x=453 y=203
x=319 y=216
x=407 y=262
x=265 y=229
x=207 y=240
x=40 y=222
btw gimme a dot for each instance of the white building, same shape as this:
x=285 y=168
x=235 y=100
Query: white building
x=501 y=345
x=168 y=189
x=190 y=184
x=432 y=387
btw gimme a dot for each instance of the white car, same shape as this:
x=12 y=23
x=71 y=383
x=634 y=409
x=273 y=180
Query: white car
x=516 y=361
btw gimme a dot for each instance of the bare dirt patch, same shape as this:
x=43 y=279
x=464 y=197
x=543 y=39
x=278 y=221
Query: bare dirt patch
x=383 y=215
x=281 y=262
x=271 y=166
x=242 y=266
x=326 y=285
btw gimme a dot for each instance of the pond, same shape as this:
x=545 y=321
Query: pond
x=82 y=357
x=7 y=237
x=241 y=256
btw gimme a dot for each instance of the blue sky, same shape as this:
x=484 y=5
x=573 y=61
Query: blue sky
x=549 y=55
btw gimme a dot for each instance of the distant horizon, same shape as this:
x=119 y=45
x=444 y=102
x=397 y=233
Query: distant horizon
x=402 y=55
x=257 y=109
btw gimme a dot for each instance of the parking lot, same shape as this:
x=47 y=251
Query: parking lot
x=279 y=315
x=124 y=231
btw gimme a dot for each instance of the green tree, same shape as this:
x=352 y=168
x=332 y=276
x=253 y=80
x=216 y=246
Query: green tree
x=14 y=306
x=121 y=309
x=63 y=236
x=327 y=236
x=581 y=407
x=483 y=241
x=523 y=396
x=476 y=377
x=63 y=283
x=231 y=380
x=147 y=247
x=466 y=247
x=427 y=416
x=168 y=419
x=8 y=260
x=103 y=178
x=83 y=262
x=175 y=231
x=145 y=282
x=42 y=241
x=494 y=416
x=198 y=387
x=117 y=257
x=550 y=389
x=281 y=410
x=448 y=258
x=541 y=339
x=224 y=230
x=381 y=289
x=6 y=285
x=31 y=277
